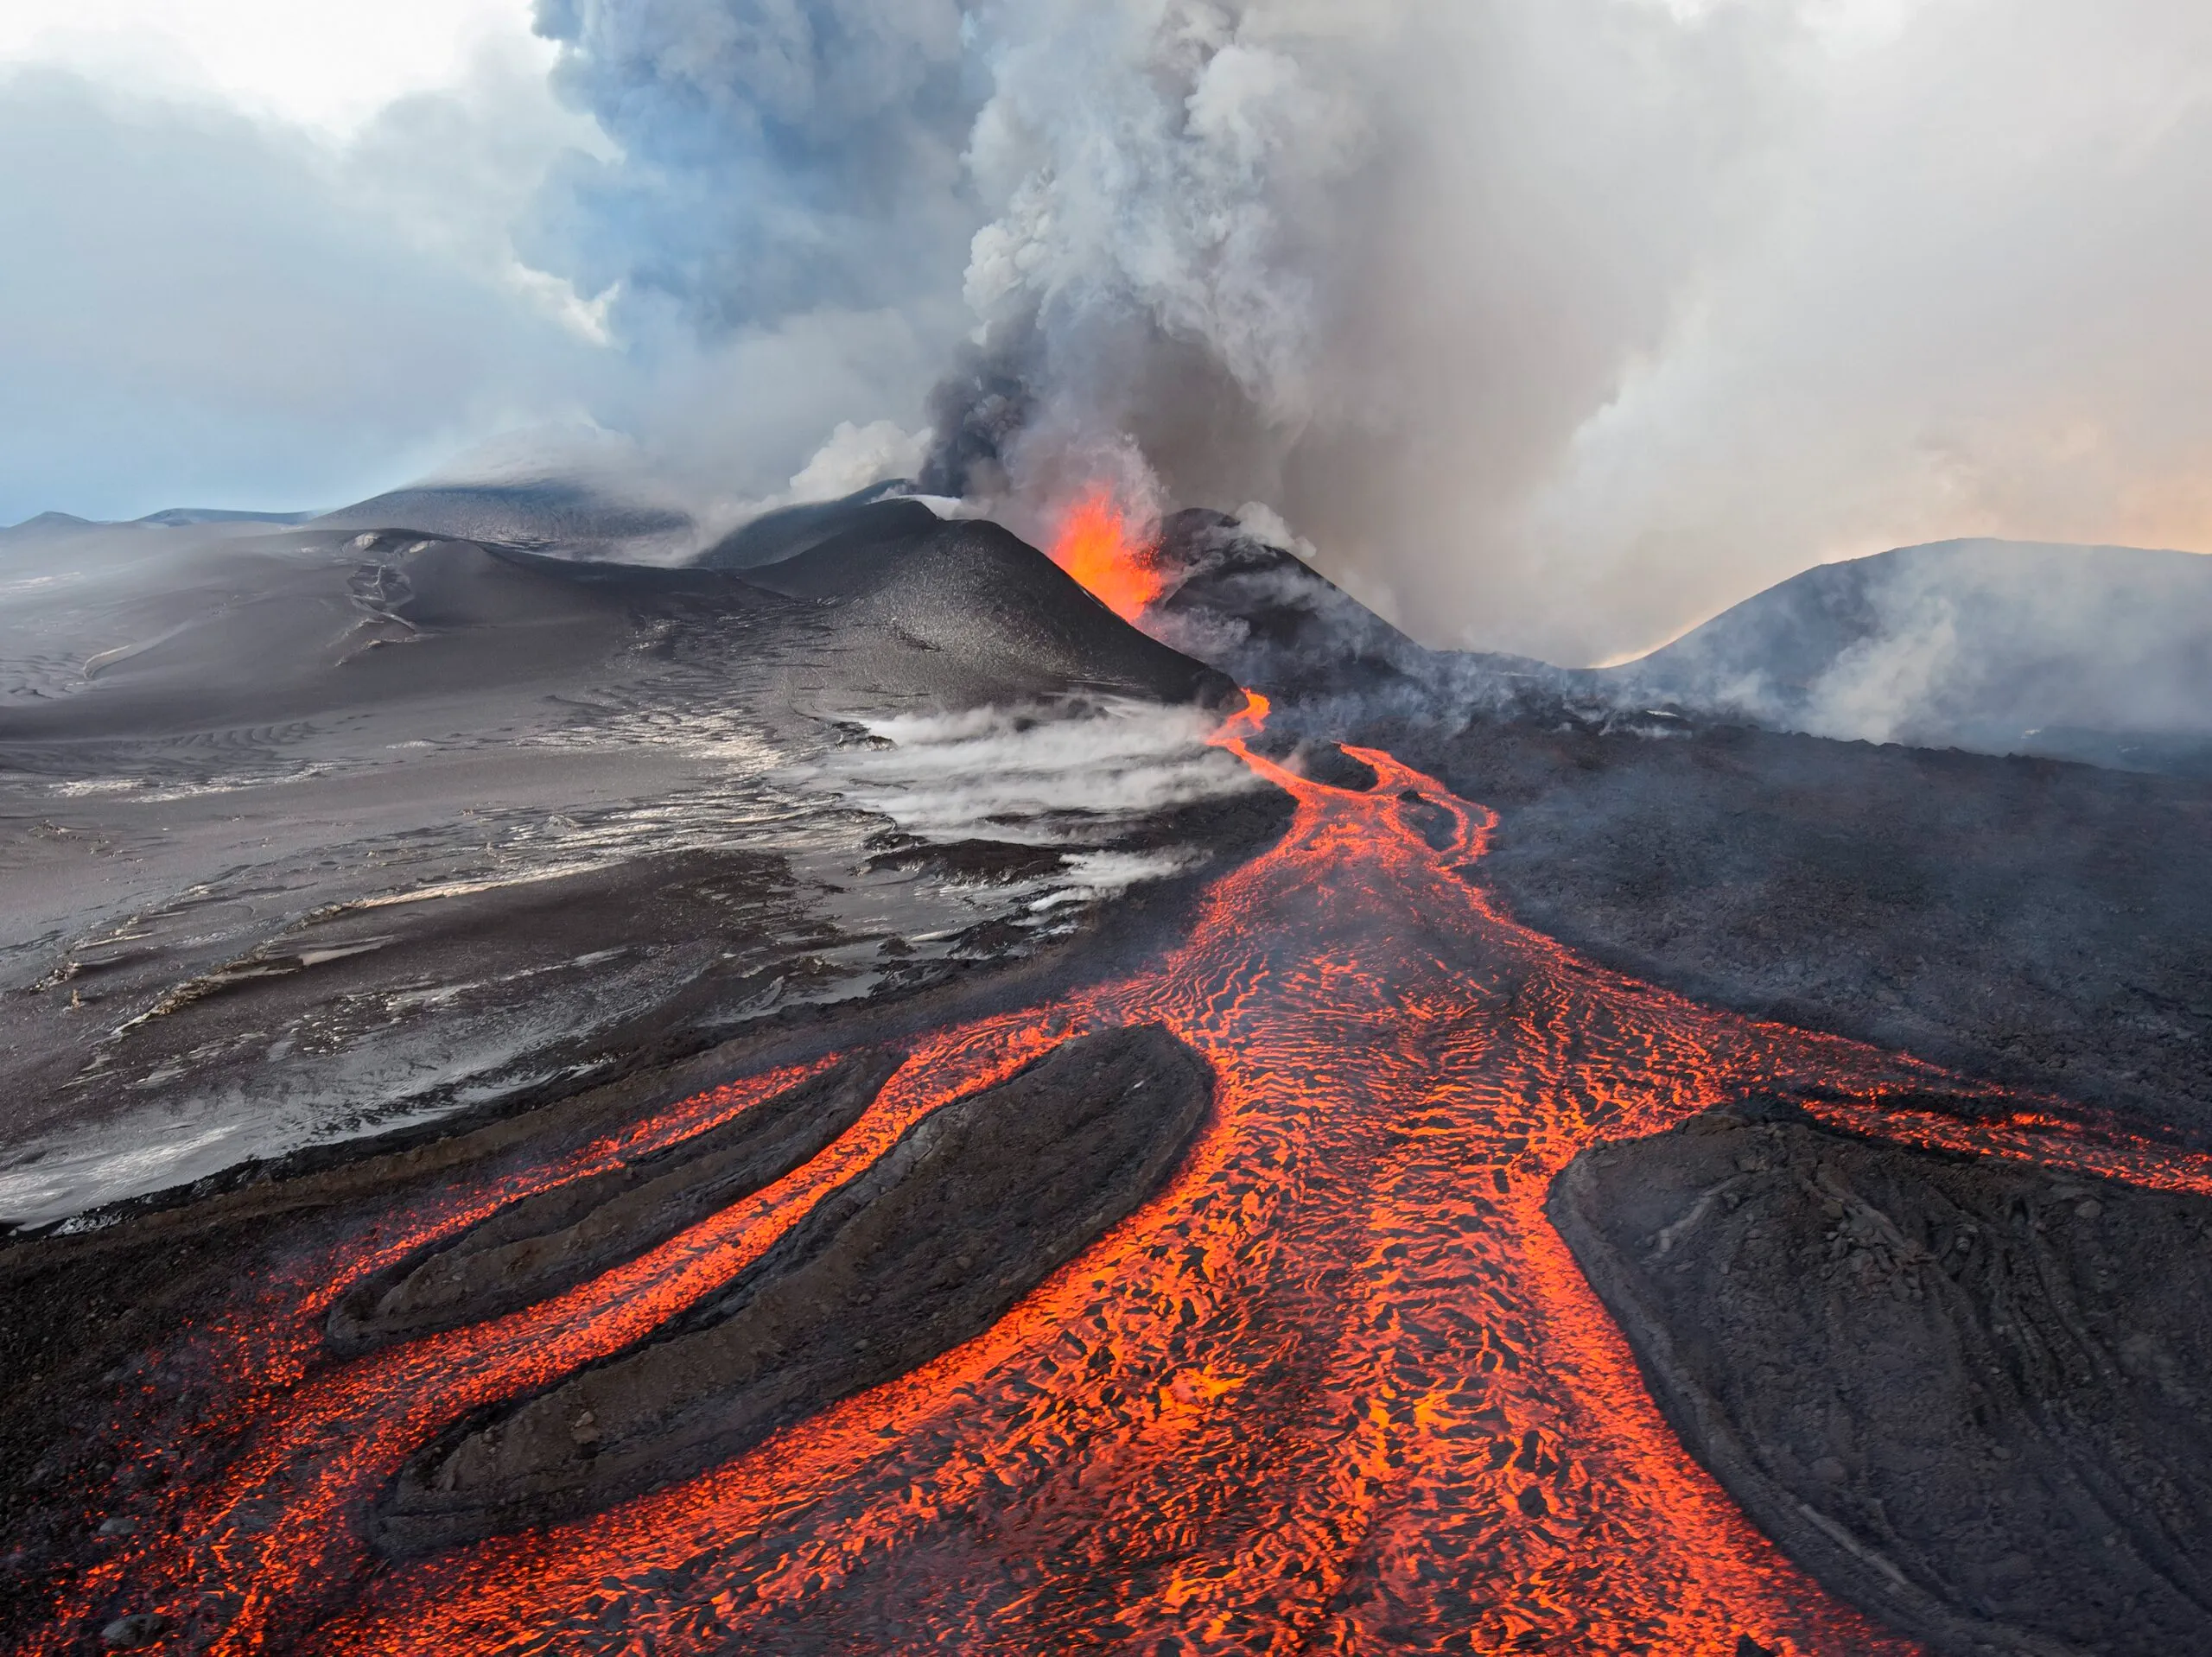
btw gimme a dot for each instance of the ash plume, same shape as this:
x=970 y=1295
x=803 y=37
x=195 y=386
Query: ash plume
x=1555 y=327
x=776 y=158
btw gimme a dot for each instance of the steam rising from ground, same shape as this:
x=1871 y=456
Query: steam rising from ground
x=1028 y=777
x=1974 y=643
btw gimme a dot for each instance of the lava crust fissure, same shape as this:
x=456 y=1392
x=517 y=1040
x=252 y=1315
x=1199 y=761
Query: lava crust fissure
x=1967 y=1393
x=972 y=1208
x=554 y=1240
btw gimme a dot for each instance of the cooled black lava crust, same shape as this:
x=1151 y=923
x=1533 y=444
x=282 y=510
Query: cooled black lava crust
x=2030 y=921
x=972 y=1208
x=1970 y=1395
x=543 y=1244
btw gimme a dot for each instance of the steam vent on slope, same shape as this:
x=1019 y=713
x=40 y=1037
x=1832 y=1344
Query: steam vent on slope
x=872 y=1089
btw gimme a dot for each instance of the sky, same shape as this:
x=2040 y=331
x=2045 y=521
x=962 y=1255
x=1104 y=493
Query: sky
x=325 y=66
x=1553 y=326
x=254 y=255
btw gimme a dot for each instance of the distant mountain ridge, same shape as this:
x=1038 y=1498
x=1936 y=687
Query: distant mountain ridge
x=2101 y=654
x=53 y=526
x=538 y=513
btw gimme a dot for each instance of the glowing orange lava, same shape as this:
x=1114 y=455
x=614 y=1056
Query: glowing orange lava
x=1340 y=1388
x=1095 y=546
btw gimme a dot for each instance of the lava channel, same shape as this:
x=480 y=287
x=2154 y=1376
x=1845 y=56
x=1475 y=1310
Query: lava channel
x=1338 y=1387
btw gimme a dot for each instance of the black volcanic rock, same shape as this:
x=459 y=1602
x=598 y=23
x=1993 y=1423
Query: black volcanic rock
x=971 y=1209
x=1273 y=623
x=1973 y=1395
x=984 y=604
x=873 y=514
x=2038 y=923
x=907 y=608
x=545 y=1243
x=1325 y=763
x=994 y=861
x=1270 y=619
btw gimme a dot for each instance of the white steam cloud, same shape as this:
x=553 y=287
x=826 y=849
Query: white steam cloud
x=1040 y=776
x=1557 y=328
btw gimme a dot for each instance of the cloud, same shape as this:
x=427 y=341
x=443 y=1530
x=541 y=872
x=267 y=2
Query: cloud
x=1374 y=265
x=202 y=306
x=325 y=65
x=197 y=308
x=1961 y=301
x=1557 y=328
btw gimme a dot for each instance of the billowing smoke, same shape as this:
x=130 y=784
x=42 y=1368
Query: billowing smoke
x=1555 y=325
x=1168 y=181
x=778 y=157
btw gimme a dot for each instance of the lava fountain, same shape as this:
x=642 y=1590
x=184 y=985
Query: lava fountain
x=1339 y=1387
x=1095 y=545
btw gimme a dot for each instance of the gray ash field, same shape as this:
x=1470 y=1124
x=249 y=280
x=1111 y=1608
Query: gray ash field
x=419 y=854
x=316 y=832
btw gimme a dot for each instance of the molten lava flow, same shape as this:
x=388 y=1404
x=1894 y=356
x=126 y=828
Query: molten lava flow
x=1340 y=1388
x=1095 y=546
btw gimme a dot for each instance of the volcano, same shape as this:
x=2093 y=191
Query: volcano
x=857 y=1085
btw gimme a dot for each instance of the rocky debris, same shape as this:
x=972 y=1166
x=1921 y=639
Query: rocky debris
x=548 y=1242
x=1270 y=619
x=1970 y=1395
x=1325 y=763
x=993 y=862
x=135 y=1632
x=972 y=1208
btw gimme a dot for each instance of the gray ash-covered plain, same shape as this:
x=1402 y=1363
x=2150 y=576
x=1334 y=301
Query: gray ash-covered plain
x=314 y=831
x=344 y=862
